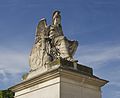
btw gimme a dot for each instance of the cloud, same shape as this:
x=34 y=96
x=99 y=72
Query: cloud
x=97 y=55
x=8 y=79
x=104 y=58
x=3 y=75
x=113 y=76
x=13 y=61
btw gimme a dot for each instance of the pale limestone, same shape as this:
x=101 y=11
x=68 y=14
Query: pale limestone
x=48 y=89
x=54 y=73
x=60 y=83
x=50 y=44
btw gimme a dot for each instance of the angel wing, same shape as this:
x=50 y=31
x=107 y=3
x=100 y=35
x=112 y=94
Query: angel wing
x=41 y=29
x=37 y=53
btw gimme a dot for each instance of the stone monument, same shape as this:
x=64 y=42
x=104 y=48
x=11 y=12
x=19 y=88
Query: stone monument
x=54 y=73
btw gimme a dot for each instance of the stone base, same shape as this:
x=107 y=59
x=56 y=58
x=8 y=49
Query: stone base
x=60 y=83
x=60 y=63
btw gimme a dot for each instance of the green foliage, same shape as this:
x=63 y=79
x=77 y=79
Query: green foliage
x=0 y=94
x=6 y=94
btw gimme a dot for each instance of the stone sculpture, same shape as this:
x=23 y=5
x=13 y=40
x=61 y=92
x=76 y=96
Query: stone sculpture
x=50 y=44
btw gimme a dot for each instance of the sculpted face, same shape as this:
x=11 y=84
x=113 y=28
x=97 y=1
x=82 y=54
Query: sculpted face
x=56 y=18
x=51 y=44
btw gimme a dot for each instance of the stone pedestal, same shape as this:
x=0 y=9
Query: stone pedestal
x=67 y=80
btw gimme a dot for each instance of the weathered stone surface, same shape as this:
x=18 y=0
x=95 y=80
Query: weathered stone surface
x=60 y=83
x=54 y=73
x=50 y=44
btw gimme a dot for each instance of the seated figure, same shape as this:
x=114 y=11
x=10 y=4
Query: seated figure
x=64 y=47
x=50 y=44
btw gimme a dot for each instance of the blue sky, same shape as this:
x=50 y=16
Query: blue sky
x=94 y=23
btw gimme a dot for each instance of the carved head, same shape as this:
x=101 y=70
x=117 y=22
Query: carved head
x=56 y=18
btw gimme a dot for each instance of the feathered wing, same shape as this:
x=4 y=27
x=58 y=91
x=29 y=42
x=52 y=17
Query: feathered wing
x=35 y=55
x=40 y=30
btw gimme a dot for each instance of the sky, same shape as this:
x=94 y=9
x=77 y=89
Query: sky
x=95 y=24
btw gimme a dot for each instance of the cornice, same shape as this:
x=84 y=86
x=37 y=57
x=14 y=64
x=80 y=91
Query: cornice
x=59 y=72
